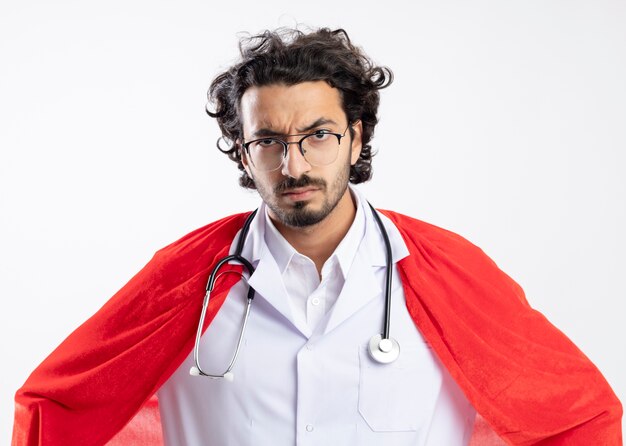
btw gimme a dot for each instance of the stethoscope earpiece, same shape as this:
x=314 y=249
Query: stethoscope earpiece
x=384 y=350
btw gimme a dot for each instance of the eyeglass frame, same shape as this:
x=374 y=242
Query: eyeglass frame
x=286 y=144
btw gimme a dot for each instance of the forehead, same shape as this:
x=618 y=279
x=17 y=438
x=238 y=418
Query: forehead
x=285 y=108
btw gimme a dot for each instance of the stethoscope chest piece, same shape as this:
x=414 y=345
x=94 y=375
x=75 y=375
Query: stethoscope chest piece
x=384 y=350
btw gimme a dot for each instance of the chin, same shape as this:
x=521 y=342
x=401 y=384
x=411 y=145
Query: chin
x=301 y=215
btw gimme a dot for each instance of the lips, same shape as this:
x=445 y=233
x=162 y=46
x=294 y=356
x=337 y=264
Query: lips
x=301 y=193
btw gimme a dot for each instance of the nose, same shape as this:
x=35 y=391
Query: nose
x=294 y=164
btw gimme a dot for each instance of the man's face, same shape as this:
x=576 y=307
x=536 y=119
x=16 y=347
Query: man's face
x=297 y=193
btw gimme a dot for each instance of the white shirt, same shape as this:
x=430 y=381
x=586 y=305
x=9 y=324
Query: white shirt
x=311 y=298
x=305 y=376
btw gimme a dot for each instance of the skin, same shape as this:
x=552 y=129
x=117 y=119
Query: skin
x=310 y=206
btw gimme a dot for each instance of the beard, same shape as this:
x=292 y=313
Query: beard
x=300 y=214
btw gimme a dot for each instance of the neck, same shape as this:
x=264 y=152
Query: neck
x=319 y=241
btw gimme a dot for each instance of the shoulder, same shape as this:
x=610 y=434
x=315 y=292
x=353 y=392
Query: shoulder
x=418 y=232
x=188 y=258
x=211 y=238
x=447 y=254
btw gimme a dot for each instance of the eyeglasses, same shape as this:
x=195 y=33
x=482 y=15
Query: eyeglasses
x=318 y=149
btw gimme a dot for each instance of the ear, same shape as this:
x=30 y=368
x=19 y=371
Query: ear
x=244 y=157
x=357 y=142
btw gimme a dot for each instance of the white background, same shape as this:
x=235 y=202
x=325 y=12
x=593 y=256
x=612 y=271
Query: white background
x=506 y=124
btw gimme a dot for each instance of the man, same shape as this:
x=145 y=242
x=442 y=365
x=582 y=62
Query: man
x=318 y=363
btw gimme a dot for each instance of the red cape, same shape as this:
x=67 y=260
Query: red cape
x=526 y=379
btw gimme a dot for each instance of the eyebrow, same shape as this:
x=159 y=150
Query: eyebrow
x=267 y=131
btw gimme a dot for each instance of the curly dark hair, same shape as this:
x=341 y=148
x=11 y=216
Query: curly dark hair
x=289 y=57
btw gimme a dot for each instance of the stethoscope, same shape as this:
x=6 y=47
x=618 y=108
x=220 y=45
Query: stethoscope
x=382 y=348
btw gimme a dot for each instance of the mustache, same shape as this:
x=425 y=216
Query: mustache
x=293 y=183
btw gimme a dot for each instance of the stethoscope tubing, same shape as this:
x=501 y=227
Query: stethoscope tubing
x=237 y=257
x=387 y=319
x=381 y=354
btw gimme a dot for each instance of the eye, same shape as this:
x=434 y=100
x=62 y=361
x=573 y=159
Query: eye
x=320 y=135
x=268 y=142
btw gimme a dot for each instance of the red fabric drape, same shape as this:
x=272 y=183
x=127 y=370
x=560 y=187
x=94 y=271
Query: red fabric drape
x=525 y=378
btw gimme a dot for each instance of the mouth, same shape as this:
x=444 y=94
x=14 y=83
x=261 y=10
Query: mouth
x=300 y=193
